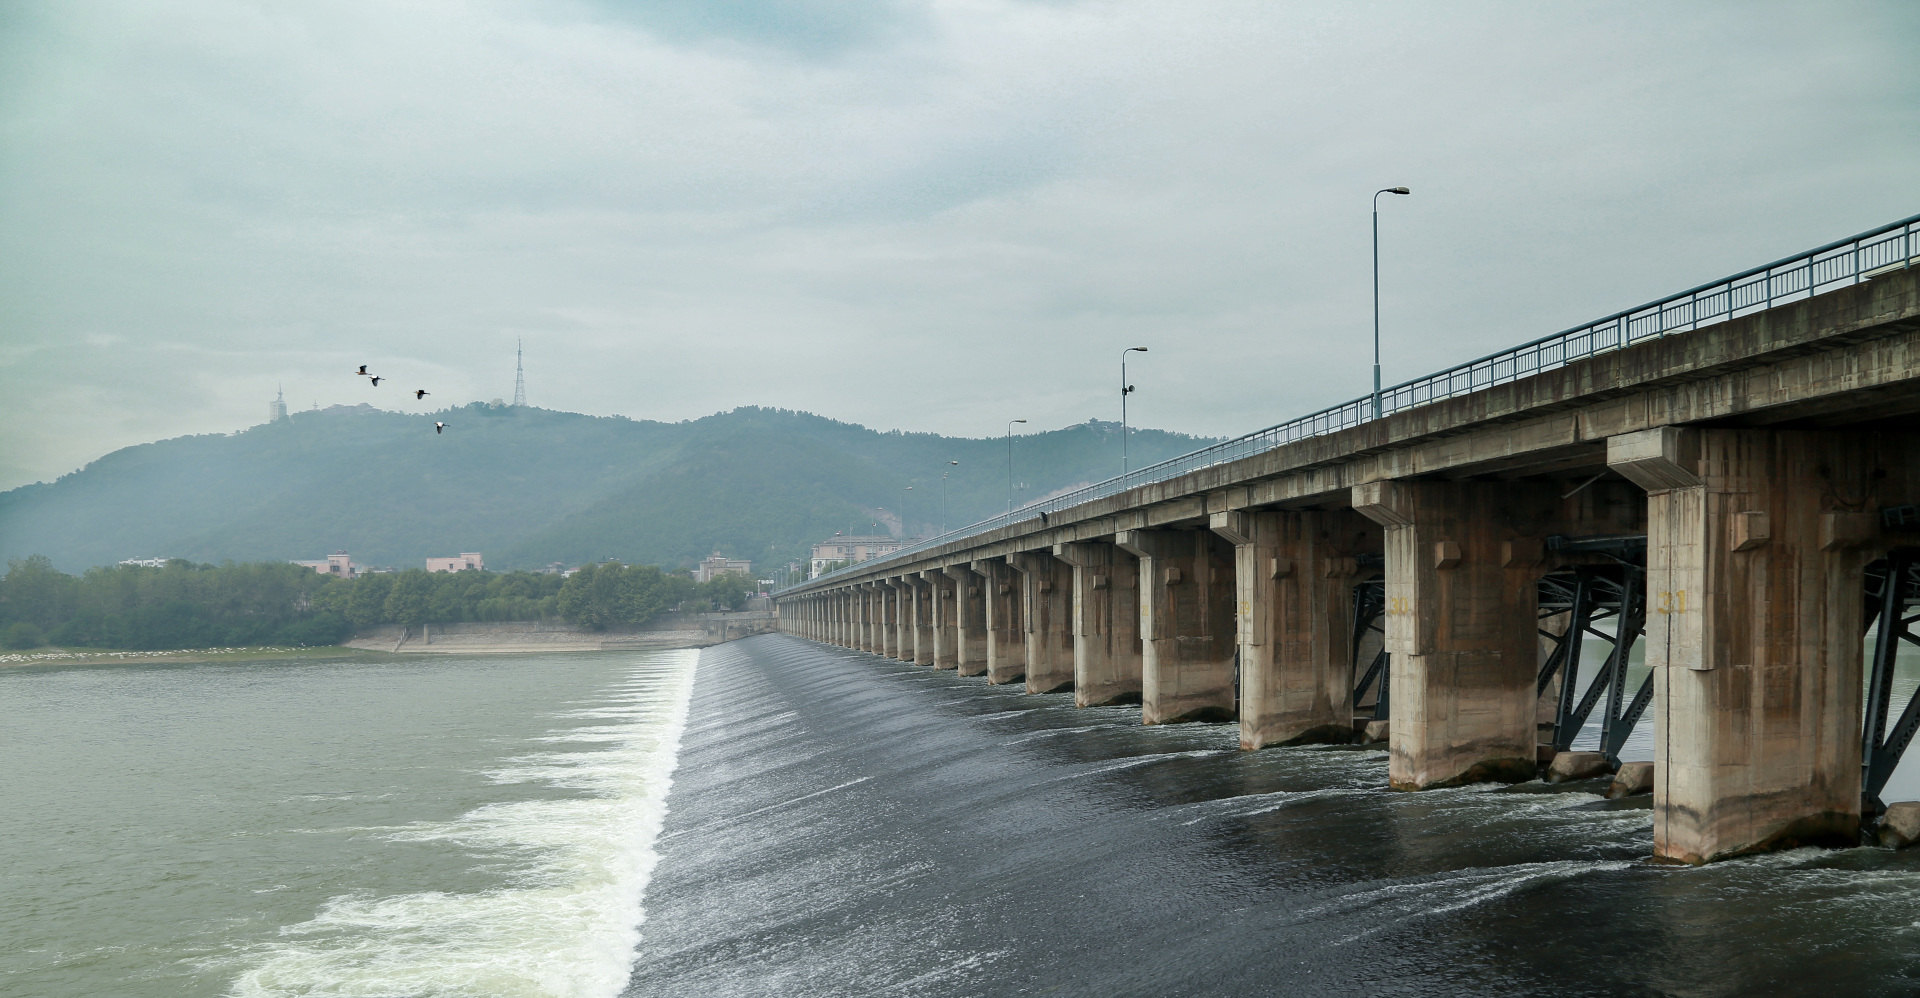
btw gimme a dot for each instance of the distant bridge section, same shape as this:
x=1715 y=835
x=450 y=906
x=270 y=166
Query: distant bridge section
x=1719 y=475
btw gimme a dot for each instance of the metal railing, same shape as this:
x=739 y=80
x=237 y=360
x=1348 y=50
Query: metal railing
x=1847 y=261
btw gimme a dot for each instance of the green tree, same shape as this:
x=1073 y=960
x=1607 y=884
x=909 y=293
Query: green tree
x=411 y=600
x=367 y=603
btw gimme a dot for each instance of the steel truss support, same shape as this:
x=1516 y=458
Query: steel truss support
x=1369 y=613
x=1589 y=595
x=1893 y=587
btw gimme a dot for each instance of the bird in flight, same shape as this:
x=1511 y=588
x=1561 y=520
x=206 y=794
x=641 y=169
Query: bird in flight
x=363 y=371
x=420 y=393
x=438 y=426
x=375 y=379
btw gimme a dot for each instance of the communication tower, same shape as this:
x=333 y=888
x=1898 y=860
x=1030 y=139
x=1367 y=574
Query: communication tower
x=519 y=377
x=277 y=409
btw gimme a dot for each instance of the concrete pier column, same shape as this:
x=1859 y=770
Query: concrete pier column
x=1186 y=624
x=969 y=621
x=1294 y=575
x=1462 y=567
x=887 y=627
x=1106 y=623
x=1006 y=630
x=1754 y=618
x=863 y=606
x=922 y=607
x=902 y=618
x=1047 y=600
x=940 y=600
x=837 y=617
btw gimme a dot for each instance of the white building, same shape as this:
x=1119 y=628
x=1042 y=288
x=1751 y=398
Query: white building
x=720 y=564
x=147 y=562
x=469 y=561
x=840 y=549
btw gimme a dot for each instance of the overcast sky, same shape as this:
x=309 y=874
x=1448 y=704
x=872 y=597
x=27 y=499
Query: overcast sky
x=924 y=215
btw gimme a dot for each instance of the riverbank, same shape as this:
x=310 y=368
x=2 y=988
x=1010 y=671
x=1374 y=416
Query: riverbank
x=691 y=630
x=183 y=656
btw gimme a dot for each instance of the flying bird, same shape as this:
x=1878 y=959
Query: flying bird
x=376 y=380
x=363 y=371
x=438 y=426
x=419 y=393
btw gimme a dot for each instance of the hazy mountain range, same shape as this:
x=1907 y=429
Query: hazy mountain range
x=529 y=486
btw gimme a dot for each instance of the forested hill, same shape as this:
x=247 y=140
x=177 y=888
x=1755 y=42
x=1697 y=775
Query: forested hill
x=531 y=486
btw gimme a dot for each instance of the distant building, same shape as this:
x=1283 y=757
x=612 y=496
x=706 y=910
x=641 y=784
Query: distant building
x=850 y=550
x=720 y=564
x=277 y=409
x=469 y=561
x=555 y=568
x=147 y=562
x=336 y=564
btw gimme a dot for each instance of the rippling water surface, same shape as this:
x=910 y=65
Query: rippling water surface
x=847 y=825
x=479 y=826
x=838 y=824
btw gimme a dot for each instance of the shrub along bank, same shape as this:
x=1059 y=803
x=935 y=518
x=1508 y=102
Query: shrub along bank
x=184 y=605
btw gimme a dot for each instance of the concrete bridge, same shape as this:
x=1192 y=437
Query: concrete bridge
x=1718 y=481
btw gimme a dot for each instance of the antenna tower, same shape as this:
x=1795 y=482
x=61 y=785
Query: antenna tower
x=519 y=377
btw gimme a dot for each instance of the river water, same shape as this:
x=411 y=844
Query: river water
x=837 y=824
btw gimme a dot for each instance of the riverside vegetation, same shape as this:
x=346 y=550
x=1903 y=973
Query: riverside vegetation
x=187 y=605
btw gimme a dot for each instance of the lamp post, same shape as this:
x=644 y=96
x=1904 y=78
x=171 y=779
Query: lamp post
x=1125 y=390
x=943 y=496
x=1376 y=292
x=1010 y=423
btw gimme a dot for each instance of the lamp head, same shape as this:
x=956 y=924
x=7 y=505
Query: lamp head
x=1140 y=349
x=1398 y=190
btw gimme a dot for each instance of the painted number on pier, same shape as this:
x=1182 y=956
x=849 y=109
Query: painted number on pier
x=1399 y=606
x=1670 y=602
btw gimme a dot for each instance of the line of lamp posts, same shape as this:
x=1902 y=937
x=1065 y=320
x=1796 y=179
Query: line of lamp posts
x=1126 y=388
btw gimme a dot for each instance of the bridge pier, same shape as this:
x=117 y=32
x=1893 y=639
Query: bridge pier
x=1006 y=633
x=886 y=636
x=869 y=611
x=1462 y=572
x=902 y=618
x=921 y=618
x=1047 y=595
x=1754 y=579
x=1106 y=623
x=969 y=621
x=1186 y=625
x=1294 y=582
x=940 y=610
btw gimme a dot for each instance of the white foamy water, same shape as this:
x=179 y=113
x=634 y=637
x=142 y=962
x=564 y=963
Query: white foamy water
x=566 y=922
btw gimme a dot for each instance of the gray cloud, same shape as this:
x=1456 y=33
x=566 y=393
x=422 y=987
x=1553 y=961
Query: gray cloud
x=933 y=216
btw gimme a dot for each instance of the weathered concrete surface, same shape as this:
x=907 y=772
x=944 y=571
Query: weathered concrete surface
x=1106 y=623
x=889 y=621
x=946 y=633
x=1186 y=624
x=1006 y=629
x=902 y=618
x=1047 y=602
x=1756 y=543
x=969 y=621
x=1294 y=575
x=1462 y=564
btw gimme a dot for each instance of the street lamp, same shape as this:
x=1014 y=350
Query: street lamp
x=1125 y=390
x=943 y=496
x=1376 y=293
x=1010 y=423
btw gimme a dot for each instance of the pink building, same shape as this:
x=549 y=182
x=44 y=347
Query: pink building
x=469 y=561
x=336 y=564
